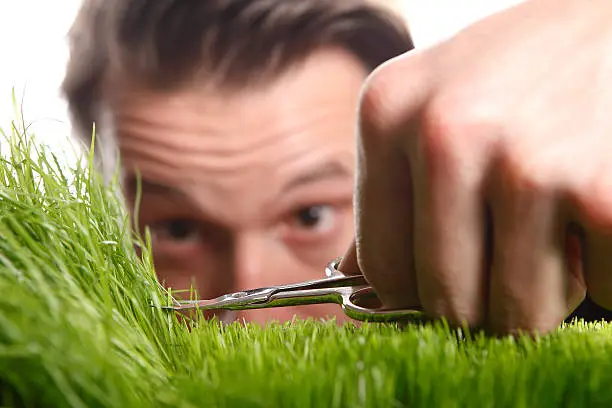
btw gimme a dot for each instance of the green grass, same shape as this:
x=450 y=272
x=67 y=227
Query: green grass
x=76 y=328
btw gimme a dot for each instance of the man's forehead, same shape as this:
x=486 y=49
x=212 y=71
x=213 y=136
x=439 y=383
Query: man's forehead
x=329 y=169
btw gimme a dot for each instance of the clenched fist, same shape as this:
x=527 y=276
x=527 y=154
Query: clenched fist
x=484 y=182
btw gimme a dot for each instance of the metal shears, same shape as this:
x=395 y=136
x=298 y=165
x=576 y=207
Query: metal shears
x=352 y=292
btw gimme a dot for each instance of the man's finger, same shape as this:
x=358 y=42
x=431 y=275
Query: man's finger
x=531 y=287
x=383 y=197
x=574 y=262
x=450 y=227
x=384 y=221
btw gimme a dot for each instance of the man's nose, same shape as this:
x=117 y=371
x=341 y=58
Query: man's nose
x=257 y=262
x=251 y=262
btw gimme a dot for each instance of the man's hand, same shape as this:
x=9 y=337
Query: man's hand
x=484 y=186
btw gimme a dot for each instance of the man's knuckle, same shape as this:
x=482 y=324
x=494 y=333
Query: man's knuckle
x=594 y=201
x=391 y=95
x=376 y=110
x=440 y=130
x=520 y=173
x=451 y=131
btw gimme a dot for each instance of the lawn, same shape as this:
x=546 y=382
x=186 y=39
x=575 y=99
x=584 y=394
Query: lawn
x=77 y=328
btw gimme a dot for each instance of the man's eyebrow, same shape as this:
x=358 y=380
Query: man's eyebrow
x=328 y=170
x=151 y=187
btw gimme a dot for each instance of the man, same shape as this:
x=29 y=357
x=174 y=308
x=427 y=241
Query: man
x=239 y=118
x=484 y=190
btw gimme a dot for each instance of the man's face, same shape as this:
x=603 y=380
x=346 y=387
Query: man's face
x=245 y=189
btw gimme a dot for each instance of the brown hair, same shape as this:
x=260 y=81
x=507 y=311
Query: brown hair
x=168 y=42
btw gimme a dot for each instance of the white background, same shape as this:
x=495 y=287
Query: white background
x=34 y=52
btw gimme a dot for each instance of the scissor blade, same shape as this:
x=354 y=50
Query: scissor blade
x=260 y=297
x=236 y=300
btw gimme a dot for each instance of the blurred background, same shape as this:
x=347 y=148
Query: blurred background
x=34 y=52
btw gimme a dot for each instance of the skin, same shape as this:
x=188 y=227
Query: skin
x=244 y=189
x=500 y=142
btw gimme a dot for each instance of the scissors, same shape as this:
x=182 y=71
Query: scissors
x=352 y=292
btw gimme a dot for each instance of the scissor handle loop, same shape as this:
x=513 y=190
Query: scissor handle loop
x=363 y=304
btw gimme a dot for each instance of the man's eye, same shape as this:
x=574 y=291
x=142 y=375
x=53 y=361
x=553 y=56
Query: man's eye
x=175 y=230
x=318 y=216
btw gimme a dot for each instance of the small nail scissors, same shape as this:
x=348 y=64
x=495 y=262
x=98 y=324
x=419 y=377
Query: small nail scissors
x=352 y=292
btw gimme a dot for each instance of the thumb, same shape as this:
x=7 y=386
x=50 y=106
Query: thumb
x=349 y=264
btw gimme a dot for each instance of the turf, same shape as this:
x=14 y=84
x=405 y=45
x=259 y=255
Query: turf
x=77 y=328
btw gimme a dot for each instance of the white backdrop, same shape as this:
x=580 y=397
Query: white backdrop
x=34 y=52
